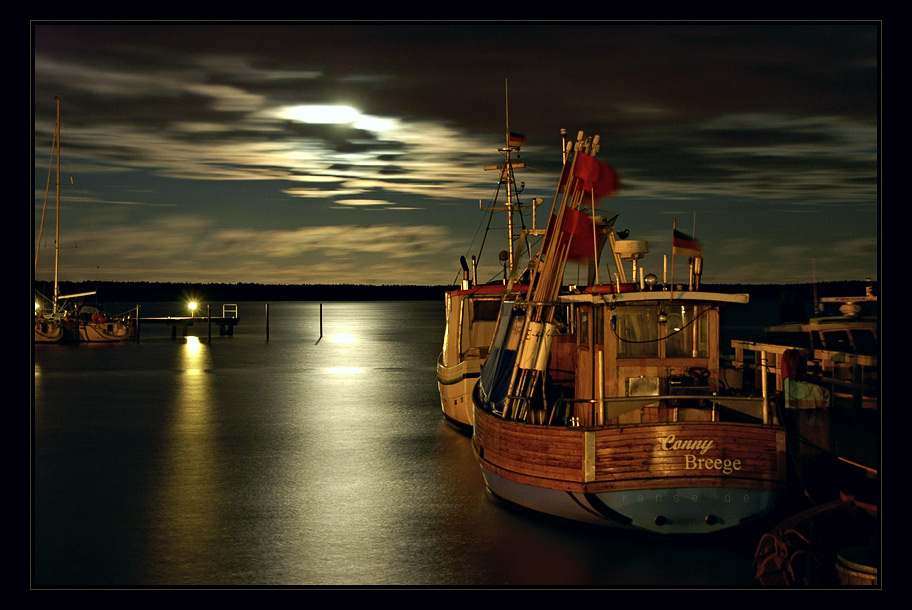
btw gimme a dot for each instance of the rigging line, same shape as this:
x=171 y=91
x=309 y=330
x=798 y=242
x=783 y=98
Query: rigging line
x=481 y=247
x=47 y=191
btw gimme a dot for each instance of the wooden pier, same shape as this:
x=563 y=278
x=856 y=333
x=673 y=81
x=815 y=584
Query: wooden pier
x=226 y=322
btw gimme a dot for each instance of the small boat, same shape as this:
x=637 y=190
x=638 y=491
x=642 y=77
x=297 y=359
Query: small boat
x=60 y=318
x=97 y=326
x=53 y=321
x=603 y=404
x=54 y=327
x=472 y=308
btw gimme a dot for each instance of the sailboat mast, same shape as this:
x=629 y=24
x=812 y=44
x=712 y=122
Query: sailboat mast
x=57 y=230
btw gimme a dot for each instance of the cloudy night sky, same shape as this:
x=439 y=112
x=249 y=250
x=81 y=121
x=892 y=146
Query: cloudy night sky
x=353 y=152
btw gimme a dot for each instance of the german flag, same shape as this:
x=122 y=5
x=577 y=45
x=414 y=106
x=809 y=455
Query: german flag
x=516 y=139
x=685 y=245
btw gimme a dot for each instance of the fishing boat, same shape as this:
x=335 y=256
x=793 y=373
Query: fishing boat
x=603 y=404
x=834 y=354
x=824 y=371
x=61 y=318
x=472 y=308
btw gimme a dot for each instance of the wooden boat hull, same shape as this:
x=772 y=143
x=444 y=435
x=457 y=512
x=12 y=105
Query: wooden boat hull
x=667 y=478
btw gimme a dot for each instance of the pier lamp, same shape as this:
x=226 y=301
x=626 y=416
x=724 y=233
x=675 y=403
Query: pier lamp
x=192 y=307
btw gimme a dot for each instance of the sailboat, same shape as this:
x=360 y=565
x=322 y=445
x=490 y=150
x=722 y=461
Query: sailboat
x=60 y=319
x=472 y=308
x=603 y=404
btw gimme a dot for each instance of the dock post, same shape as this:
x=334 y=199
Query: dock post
x=765 y=387
x=267 y=322
x=209 y=320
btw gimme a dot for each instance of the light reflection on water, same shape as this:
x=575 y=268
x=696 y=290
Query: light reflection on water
x=185 y=512
x=301 y=460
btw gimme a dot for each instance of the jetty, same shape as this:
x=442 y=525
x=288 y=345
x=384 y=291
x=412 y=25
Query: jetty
x=226 y=322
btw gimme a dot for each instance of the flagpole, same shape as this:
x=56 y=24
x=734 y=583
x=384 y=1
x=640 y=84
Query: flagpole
x=674 y=227
x=507 y=106
x=594 y=240
x=692 y=262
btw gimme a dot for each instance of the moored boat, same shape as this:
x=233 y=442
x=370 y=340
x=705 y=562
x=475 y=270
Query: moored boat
x=53 y=322
x=471 y=309
x=60 y=318
x=824 y=371
x=604 y=404
x=97 y=326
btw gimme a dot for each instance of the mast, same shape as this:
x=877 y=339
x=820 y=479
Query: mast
x=508 y=173
x=57 y=198
x=512 y=204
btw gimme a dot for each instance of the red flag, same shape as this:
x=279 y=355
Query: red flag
x=584 y=229
x=596 y=176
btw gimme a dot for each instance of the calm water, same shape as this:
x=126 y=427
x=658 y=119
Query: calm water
x=299 y=460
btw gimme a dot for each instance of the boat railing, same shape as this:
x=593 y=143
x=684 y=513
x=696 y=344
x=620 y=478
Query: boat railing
x=852 y=375
x=607 y=411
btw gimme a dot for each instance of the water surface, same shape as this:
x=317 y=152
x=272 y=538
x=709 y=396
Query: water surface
x=307 y=460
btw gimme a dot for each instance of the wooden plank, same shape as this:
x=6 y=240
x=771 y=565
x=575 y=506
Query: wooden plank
x=708 y=454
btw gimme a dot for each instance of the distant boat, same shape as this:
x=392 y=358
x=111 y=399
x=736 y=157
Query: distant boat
x=96 y=326
x=603 y=404
x=472 y=308
x=53 y=322
x=59 y=318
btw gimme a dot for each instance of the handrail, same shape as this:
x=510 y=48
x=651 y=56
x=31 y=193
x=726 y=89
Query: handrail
x=615 y=407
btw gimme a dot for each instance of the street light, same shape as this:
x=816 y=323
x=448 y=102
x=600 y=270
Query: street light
x=192 y=305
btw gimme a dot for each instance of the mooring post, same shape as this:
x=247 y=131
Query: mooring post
x=209 y=320
x=267 y=322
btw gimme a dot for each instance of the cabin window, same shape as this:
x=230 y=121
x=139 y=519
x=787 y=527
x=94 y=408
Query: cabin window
x=637 y=331
x=478 y=324
x=486 y=311
x=686 y=332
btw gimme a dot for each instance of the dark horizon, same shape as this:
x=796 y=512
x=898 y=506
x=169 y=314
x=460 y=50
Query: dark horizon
x=130 y=291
